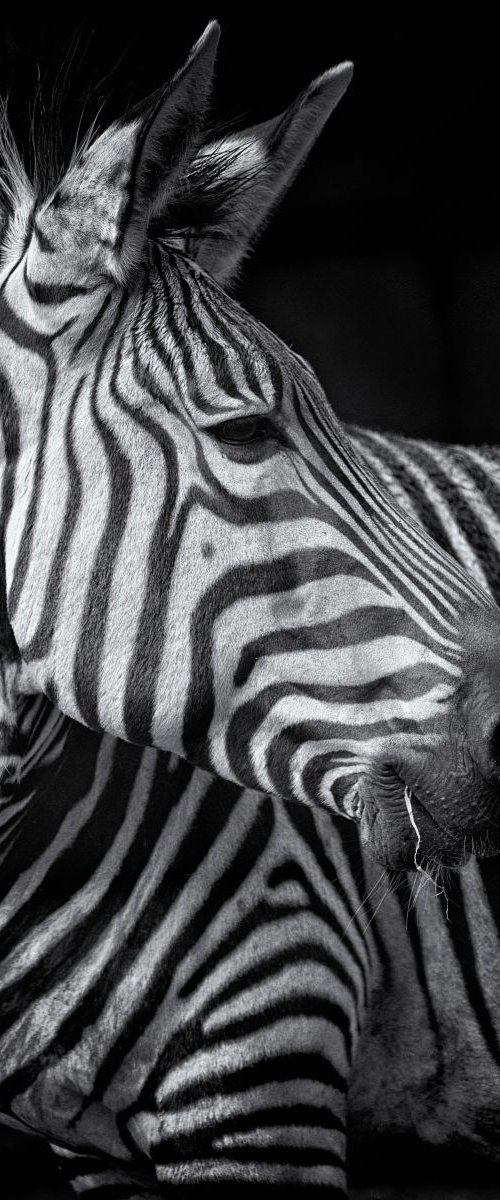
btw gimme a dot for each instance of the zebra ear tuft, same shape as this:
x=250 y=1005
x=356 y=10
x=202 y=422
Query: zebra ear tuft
x=232 y=185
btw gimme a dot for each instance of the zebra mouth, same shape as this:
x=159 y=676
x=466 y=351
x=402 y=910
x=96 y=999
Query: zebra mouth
x=402 y=831
x=394 y=823
x=382 y=787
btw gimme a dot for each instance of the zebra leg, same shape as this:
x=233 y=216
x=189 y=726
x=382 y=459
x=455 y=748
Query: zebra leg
x=92 y=1176
x=97 y=1179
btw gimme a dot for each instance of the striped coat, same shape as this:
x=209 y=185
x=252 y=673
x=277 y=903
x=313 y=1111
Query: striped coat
x=221 y=636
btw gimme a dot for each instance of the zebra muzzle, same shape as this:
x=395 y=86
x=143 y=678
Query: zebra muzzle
x=396 y=823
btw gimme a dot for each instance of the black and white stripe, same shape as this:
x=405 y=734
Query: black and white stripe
x=211 y=608
x=184 y=968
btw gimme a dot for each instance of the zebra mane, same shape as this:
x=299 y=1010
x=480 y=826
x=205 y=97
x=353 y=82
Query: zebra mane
x=15 y=186
x=34 y=175
x=206 y=191
x=34 y=164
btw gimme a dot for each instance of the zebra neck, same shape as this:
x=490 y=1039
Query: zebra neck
x=453 y=491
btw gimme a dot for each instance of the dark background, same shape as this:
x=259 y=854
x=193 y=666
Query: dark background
x=383 y=264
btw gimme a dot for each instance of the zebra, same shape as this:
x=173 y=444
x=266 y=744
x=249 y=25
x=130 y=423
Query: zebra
x=175 y=892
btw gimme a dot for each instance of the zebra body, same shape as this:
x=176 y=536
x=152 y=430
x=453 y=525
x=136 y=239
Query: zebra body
x=212 y=898
x=254 y=926
x=216 y=631
x=200 y=983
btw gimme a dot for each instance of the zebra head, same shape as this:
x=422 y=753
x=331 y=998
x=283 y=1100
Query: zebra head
x=194 y=557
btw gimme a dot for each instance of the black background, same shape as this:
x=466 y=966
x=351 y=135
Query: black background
x=383 y=264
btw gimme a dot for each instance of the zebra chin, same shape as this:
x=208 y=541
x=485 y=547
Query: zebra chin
x=403 y=832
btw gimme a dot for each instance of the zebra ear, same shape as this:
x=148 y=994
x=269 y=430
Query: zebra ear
x=234 y=183
x=164 y=134
x=118 y=182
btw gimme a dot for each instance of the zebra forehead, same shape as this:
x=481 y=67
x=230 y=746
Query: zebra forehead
x=233 y=355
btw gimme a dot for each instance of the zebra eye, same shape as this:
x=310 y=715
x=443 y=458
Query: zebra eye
x=243 y=430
